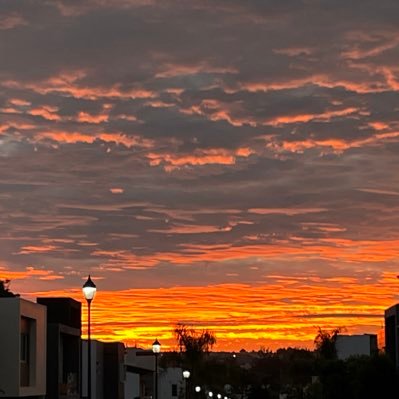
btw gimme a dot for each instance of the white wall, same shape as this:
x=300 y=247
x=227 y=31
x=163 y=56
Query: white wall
x=97 y=369
x=144 y=364
x=353 y=345
x=11 y=311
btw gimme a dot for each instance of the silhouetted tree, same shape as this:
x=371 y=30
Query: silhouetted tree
x=194 y=342
x=372 y=377
x=325 y=343
x=5 y=289
x=193 y=345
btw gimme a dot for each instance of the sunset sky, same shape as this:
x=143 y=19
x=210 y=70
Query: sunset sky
x=226 y=164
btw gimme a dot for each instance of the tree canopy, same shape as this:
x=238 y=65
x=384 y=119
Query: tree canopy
x=5 y=289
x=325 y=343
x=195 y=342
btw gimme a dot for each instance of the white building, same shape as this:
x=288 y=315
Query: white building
x=355 y=345
x=107 y=370
x=140 y=377
x=97 y=369
x=171 y=383
x=23 y=348
x=140 y=368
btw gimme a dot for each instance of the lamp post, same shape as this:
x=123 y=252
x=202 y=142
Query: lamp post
x=186 y=376
x=89 y=290
x=156 y=348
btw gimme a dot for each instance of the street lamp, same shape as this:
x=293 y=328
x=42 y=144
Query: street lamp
x=89 y=290
x=197 y=389
x=210 y=394
x=186 y=376
x=219 y=396
x=156 y=348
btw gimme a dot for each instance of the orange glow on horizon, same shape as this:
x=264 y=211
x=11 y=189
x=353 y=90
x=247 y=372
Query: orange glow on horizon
x=285 y=311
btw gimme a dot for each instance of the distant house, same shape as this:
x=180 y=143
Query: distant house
x=23 y=348
x=355 y=345
x=140 y=377
x=140 y=368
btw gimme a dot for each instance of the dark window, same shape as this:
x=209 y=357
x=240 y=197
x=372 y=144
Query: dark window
x=24 y=347
x=174 y=389
x=24 y=357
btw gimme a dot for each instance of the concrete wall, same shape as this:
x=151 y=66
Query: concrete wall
x=11 y=312
x=355 y=345
x=97 y=369
x=132 y=386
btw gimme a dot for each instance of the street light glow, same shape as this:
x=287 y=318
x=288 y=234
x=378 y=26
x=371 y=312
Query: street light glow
x=156 y=347
x=89 y=289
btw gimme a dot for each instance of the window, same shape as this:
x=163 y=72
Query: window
x=24 y=348
x=174 y=389
x=24 y=351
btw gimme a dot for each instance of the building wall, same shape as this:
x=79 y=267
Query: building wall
x=12 y=310
x=132 y=386
x=97 y=369
x=140 y=366
x=166 y=379
x=355 y=345
x=107 y=369
x=391 y=333
x=114 y=372
x=63 y=347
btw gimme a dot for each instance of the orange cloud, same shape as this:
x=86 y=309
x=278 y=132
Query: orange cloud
x=218 y=156
x=285 y=211
x=29 y=273
x=281 y=120
x=85 y=117
x=116 y=190
x=47 y=112
x=68 y=83
x=78 y=137
x=172 y=70
x=285 y=311
x=29 y=249
x=337 y=145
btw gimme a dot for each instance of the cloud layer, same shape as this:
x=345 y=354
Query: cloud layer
x=198 y=158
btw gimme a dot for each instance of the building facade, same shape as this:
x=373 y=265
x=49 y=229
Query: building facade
x=63 y=347
x=107 y=370
x=356 y=345
x=23 y=348
x=392 y=333
x=171 y=384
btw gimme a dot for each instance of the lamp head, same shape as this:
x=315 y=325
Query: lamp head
x=156 y=347
x=197 y=388
x=186 y=374
x=89 y=289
